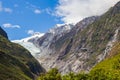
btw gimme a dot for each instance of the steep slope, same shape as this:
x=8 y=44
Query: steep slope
x=61 y=47
x=109 y=68
x=3 y=33
x=114 y=51
x=16 y=63
x=90 y=45
x=44 y=42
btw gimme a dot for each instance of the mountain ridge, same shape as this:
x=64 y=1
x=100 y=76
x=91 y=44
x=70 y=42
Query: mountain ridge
x=3 y=33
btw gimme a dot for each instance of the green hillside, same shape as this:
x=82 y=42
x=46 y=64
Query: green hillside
x=16 y=63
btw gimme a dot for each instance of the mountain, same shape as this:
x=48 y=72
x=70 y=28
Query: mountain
x=16 y=63
x=3 y=33
x=90 y=45
x=32 y=43
x=97 y=47
x=50 y=42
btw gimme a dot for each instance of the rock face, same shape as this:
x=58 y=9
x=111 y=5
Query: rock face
x=44 y=42
x=3 y=33
x=16 y=63
x=79 y=47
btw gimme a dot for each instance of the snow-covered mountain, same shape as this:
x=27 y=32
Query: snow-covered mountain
x=31 y=44
x=60 y=29
x=35 y=35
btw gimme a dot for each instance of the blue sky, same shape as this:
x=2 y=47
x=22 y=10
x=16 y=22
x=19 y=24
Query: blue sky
x=21 y=18
x=17 y=17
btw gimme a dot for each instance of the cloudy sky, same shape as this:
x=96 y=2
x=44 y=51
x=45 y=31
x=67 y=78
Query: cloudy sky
x=21 y=18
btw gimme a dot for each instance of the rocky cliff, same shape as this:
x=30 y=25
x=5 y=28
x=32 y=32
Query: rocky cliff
x=3 y=33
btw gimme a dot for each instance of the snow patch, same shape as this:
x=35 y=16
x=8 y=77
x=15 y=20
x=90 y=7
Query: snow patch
x=28 y=45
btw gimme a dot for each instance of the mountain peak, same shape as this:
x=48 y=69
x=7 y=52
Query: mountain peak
x=35 y=35
x=38 y=34
x=60 y=28
x=116 y=9
x=118 y=4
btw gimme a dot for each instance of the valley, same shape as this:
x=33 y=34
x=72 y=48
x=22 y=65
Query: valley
x=87 y=50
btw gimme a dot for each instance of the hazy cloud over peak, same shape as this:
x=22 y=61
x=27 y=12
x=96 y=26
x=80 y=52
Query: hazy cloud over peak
x=31 y=32
x=73 y=11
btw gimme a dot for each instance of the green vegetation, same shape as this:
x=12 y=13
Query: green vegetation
x=53 y=74
x=110 y=68
x=16 y=63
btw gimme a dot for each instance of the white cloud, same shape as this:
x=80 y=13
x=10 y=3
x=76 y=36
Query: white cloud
x=37 y=11
x=33 y=8
x=8 y=10
x=31 y=32
x=8 y=25
x=73 y=11
x=5 y=9
x=49 y=11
